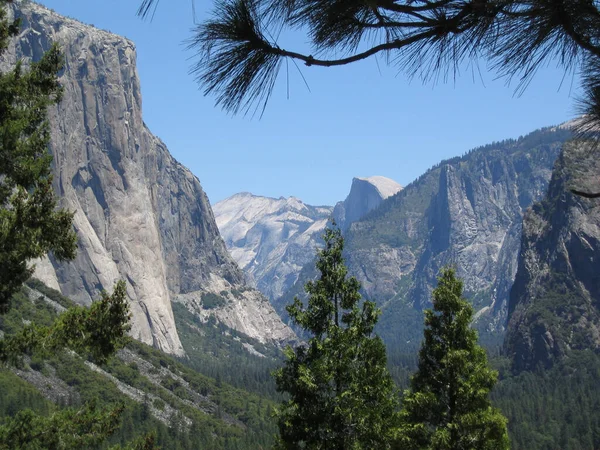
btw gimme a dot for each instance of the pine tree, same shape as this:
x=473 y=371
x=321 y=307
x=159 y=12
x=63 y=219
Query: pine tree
x=30 y=225
x=341 y=395
x=447 y=406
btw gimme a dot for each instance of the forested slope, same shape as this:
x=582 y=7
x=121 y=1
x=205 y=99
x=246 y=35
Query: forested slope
x=185 y=409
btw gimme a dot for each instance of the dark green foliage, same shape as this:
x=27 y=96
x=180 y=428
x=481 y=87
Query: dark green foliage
x=219 y=352
x=65 y=429
x=221 y=417
x=16 y=394
x=30 y=225
x=212 y=301
x=341 y=395
x=98 y=330
x=447 y=406
x=553 y=409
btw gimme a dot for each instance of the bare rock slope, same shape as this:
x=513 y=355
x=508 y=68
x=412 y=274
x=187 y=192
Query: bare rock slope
x=139 y=214
x=271 y=239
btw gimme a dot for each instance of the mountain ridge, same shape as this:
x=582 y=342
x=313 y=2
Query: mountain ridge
x=466 y=211
x=273 y=238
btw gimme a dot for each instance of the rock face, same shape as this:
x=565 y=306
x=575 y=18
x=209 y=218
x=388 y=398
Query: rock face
x=365 y=195
x=271 y=239
x=555 y=301
x=139 y=214
x=466 y=211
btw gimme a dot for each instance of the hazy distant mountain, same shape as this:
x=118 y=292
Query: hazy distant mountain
x=365 y=195
x=271 y=239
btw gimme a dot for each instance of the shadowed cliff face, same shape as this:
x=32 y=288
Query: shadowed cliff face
x=555 y=301
x=139 y=214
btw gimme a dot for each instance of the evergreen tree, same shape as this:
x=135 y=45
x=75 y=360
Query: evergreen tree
x=97 y=331
x=448 y=405
x=341 y=395
x=30 y=225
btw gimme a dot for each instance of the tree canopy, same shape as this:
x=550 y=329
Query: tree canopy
x=239 y=54
x=98 y=331
x=448 y=405
x=341 y=395
x=30 y=224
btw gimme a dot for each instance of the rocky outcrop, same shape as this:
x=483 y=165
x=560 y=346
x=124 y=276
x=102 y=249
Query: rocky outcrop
x=555 y=301
x=466 y=212
x=139 y=214
x=365 y=195
x=271 y=239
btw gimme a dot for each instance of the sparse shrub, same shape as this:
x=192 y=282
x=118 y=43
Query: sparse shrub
x=212 y=301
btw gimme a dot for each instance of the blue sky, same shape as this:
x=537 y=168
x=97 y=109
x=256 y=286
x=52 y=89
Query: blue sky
x=357 y=120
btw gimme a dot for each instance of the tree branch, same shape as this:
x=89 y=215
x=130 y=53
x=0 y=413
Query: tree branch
x=585 y=194
x=393 y=45
x=392 y=5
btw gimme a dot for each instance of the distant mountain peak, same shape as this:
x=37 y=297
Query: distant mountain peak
x=366 y=194
x=386 y=186
x=271 y=238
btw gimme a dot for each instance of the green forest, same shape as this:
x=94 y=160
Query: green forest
x=226 y=398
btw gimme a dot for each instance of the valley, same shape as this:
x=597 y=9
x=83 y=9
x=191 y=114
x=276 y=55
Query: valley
x=208 y=287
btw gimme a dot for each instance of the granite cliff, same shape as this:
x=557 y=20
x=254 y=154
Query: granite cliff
x=365 y=195
x=273 y=239
x=555 y=301
x=139 y=214
x=466 y=211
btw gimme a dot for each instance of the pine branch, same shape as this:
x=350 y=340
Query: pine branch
x=239 y=64
x=236 y=59
x=589 y=104
x=586 y=194
x=397 y=44
x=147 y=7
